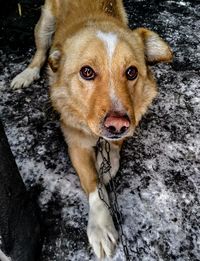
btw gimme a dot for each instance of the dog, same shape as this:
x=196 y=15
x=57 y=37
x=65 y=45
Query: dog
x=101 y=84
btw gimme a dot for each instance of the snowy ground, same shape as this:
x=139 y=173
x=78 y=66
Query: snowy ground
x=159 y=179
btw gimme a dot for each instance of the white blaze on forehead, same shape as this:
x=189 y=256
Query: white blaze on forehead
x=116 y=103
x=110 y=42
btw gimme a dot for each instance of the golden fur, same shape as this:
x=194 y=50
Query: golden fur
x=70 y=29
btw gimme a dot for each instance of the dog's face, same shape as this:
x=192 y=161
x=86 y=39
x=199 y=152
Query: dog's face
x=101 y=80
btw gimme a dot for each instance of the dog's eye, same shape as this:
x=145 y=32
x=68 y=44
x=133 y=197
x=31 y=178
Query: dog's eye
x=87 y=73
x=131 y=73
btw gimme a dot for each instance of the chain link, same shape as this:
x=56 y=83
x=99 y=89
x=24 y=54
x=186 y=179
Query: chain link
x=105 y=167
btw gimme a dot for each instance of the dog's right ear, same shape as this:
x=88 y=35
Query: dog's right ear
x=54 y=59
x=156 y=50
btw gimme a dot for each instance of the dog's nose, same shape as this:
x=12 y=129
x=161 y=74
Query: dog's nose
x=116 y=123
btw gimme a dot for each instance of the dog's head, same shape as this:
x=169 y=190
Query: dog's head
x=101 y=81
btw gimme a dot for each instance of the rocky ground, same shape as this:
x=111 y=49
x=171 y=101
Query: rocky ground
x=159 y=179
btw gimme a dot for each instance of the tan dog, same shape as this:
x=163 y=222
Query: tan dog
x=100 y=84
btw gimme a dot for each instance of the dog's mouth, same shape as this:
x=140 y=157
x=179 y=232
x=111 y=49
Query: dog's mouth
x=116 y=137
x=113 y=138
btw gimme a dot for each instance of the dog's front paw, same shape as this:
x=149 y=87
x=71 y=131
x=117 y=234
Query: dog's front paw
x=101 y=231
x=103 y=239
x=25 y=78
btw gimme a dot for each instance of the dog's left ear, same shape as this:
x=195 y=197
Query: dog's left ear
x=156 y=50
x=54 y=59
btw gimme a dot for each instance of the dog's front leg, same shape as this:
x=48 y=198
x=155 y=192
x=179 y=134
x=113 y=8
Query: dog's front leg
x=44 y=31
x=101 y=231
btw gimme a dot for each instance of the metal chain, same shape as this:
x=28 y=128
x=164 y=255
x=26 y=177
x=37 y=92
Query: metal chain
x=114 y=209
